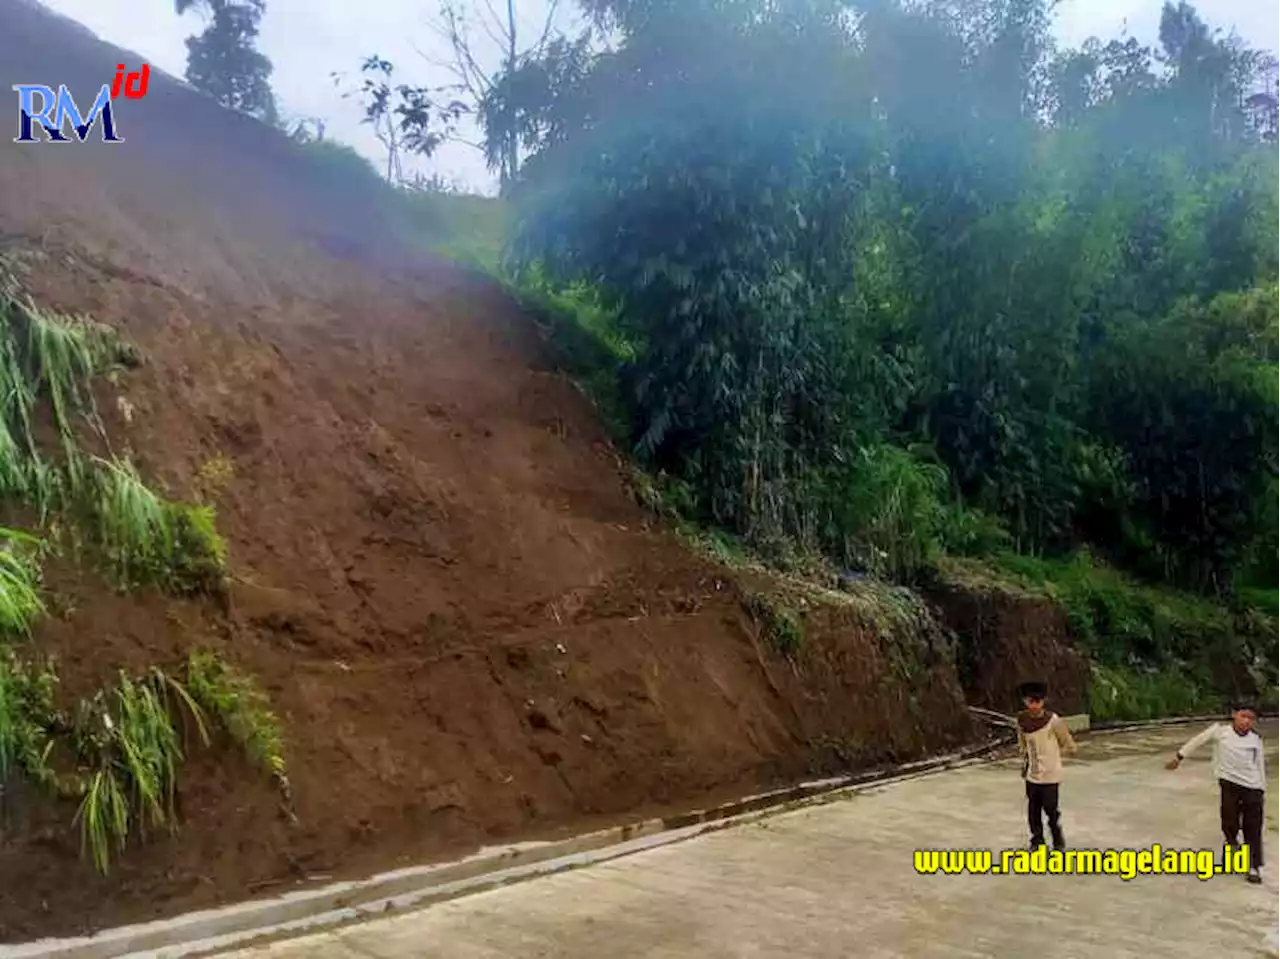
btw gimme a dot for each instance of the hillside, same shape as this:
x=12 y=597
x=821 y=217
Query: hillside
x=468 y=628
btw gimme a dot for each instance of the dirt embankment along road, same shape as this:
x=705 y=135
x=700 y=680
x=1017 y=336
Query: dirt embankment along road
x=469 y=629
x=839 y=880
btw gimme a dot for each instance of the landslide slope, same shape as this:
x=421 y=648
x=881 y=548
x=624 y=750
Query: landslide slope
x=468 y=627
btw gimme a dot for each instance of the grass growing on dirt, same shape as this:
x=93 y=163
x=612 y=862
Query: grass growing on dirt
x=465 y=228
x=143 y=538
x=583 y=332
x=1128 y=693
x=133 y=523
x=147 y=539
x=120 y=751
x=127 y=739
x=26 y=710
x=126 y=743
x=780 y=625
x=242 y=708
x=20 y=603
x=1116 y=617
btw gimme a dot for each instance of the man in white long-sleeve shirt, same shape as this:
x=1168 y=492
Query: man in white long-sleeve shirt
x=1242 y=778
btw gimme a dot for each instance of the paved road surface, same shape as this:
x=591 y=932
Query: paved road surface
x=838 y=880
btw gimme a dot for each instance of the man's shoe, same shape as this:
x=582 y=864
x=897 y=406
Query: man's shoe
x=1035 y=844
x=1254 y=876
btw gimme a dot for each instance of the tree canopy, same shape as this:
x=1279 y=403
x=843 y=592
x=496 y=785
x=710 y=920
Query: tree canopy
x=223 y=60
x=893 y=246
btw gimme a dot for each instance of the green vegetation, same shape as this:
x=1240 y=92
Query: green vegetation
x=126 y=740
x=914 y=284
x=242 y=709
x=876 y=286
x=26 y=704
x=142 y=538
x=223 y=60
x=467 y=229
x=118 y=752
x=147 y=540
x=780 y=625
x=1155 y=650
x=20 y=603
x=1119 y=693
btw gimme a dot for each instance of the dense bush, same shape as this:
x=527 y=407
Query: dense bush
x=892 y=279
x=896 y=278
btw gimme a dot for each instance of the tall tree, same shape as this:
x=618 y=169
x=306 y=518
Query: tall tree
x=917 y=225
x=223 y=60
x=493 y=61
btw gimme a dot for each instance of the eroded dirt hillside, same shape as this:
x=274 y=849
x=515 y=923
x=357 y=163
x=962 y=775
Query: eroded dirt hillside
x=467 y=626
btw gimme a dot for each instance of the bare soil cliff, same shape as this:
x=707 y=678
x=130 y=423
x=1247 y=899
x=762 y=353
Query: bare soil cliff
x=467 y=626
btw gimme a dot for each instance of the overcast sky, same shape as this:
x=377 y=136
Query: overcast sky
x=307 y=40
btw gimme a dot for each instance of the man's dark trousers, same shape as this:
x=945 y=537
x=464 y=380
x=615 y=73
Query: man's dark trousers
x=1242 y=812
x=1042 y=803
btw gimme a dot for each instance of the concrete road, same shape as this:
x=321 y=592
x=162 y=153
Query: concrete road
x=838 y=880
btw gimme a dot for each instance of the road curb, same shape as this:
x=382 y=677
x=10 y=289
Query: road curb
x=310 y=910
x=1129 y=725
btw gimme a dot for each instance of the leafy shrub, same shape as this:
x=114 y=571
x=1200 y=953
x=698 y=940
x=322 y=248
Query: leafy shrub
x=964 y=531
x=1116 y=616
x=1128 y=693
x=26 y=702
x=199 y=560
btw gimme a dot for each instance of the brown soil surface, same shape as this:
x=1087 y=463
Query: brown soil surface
x=1008 y=637
x=470 y=630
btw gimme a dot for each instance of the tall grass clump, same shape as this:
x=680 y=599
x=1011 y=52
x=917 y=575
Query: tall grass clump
x=133 y=523
x=148 y=540
x=243 y=709
x=144 y=539
x=49 y=356
x=126 y=738
x=122 y=749
x=62 y=357
x=20 y=603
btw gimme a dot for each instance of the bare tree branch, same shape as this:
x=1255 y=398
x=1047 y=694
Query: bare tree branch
x=553 y=6
x=477 y=44
x=497 y=31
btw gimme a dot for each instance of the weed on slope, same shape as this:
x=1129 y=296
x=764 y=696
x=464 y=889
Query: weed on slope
x=118 y=752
